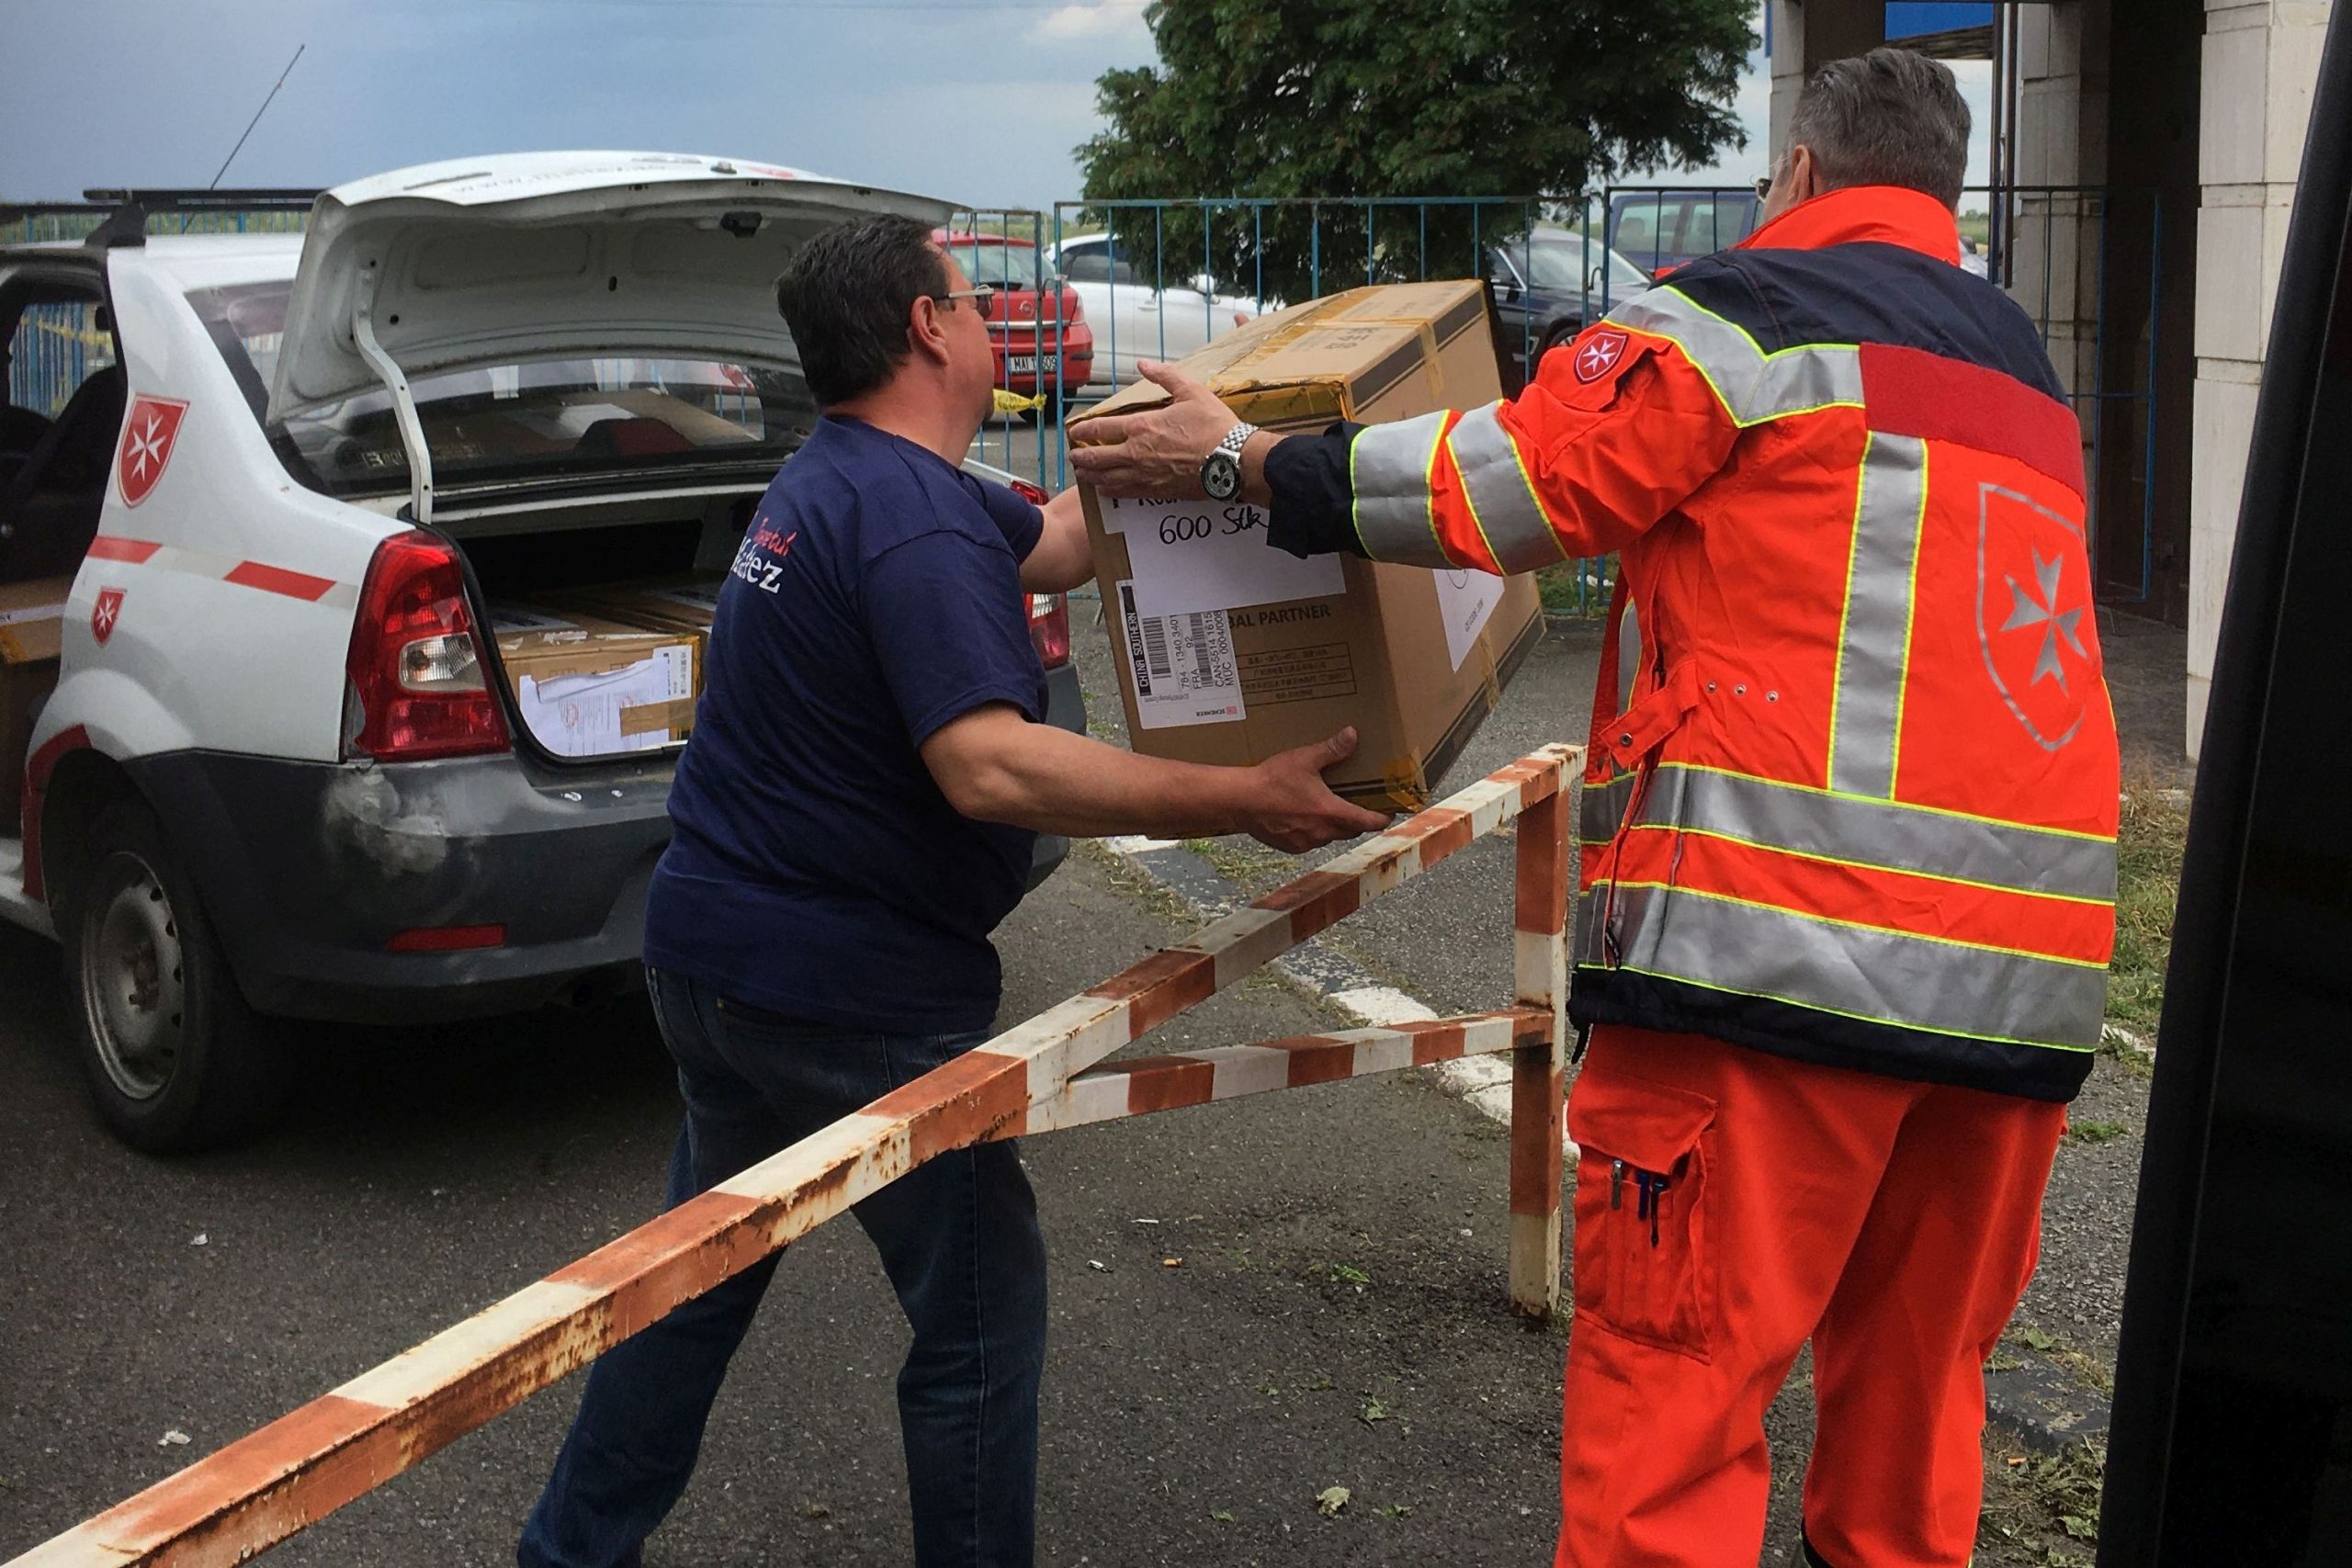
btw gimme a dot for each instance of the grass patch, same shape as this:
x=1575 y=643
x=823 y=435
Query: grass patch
x=2097 y=1131
x=2048 y=1504
x=2147 y=868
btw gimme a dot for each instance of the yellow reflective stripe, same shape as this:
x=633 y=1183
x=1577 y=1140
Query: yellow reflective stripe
x=1874 y=631
x=1836 y=1012
x=1752 y=386
x=1510 y=515
x=1797 y=819
x=2087 y=899
x=2009 y=823
x=1863 y=972
x=2099 y=964
x=1392 y=497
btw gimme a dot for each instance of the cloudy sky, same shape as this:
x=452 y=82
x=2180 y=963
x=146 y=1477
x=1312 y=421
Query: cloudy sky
x=978 y=100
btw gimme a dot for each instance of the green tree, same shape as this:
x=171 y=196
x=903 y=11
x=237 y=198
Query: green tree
x=1342 y=98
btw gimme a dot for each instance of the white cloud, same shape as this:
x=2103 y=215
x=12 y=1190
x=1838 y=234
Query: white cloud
x=1119 y=19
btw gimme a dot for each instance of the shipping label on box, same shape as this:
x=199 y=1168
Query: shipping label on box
x=632 y=708
x=588 y=687
x=1204 y=555
x=1229 y=651
x=1181 y=665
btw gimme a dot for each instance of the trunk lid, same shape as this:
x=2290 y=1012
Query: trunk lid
x=491 y=261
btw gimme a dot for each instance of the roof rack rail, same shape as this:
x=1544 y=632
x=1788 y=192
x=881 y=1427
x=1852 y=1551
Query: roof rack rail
x=128 y=209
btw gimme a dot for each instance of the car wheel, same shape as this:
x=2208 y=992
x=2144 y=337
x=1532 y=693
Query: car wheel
x=174 y=1058
x=1560 y=336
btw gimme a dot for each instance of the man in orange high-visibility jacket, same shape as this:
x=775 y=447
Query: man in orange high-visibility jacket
x=1847 y=879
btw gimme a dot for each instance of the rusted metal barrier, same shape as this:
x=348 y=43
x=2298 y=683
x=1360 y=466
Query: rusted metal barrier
x=1037 y=1076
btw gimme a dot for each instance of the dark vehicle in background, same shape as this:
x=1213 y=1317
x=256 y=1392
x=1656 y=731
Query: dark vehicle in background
x=1660 y=229
x=1044 y=345
x=1547 y=285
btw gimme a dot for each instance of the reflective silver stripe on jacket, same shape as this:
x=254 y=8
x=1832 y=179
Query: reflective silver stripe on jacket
x=1754 y=386
x=1867 y=832
x=1874 y=650
x=1388 y=474
x=1502 y=498
x=1876 y=976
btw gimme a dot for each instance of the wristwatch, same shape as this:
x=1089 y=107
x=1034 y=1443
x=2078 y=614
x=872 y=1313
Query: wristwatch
x=1221 y=469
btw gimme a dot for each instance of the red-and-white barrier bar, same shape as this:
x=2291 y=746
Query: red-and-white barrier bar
x=281 y=1479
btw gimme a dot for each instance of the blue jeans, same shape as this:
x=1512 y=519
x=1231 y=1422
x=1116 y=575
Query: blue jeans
x=959 y=1237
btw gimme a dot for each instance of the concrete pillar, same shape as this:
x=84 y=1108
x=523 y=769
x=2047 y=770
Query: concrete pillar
x=1807 y=33
x=2260 y=63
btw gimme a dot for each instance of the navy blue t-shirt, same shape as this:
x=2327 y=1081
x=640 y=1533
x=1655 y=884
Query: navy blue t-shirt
x=816 y=869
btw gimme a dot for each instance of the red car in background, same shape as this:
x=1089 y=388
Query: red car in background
x=1042 y=343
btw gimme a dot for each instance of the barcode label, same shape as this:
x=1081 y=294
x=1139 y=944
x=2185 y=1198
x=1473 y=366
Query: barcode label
x=1182 y=665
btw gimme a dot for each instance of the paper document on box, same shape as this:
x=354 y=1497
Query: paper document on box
x=1183 y=665
x=1205 y=555
x=590 y=716
x=1465 y=599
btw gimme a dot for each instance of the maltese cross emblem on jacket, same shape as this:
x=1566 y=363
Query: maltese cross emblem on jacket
x=2033 y=601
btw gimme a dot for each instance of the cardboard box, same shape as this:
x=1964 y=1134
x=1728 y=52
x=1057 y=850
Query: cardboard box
x=685 y=604
x=591 y=687
x=1246 y=651
x=32 y=627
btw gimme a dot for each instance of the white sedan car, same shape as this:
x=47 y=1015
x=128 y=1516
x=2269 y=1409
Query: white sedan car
x=1132 y=318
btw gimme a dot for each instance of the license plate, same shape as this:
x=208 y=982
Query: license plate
x=1032 y=364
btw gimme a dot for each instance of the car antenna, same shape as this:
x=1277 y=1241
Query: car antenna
x=240 y=147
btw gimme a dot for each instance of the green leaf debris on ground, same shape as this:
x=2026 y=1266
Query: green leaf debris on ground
x=2147 y=886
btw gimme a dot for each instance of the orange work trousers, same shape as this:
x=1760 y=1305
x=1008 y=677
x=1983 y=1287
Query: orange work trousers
x=1730 y=1206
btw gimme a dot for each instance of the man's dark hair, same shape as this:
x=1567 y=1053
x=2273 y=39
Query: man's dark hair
x=1889 y=118
x=846 y=296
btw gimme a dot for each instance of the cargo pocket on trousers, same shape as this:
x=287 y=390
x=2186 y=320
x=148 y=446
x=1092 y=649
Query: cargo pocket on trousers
x=1643 y=1268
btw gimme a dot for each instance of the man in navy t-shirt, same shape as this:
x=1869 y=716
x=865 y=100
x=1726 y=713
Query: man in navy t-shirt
x=854 y=815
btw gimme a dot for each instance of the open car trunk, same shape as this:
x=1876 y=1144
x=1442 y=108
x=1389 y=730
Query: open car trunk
x=574 y=365
x=599 y=613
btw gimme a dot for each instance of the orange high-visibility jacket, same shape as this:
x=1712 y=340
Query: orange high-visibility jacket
x=1852 y=787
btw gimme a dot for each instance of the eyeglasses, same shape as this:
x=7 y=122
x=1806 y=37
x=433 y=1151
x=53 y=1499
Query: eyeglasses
x=1763 y=186
x=983 y=298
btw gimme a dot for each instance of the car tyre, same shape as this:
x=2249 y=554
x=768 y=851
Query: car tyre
x=174 y=1059
x=1560 y=336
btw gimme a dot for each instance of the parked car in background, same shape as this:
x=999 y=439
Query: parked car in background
x=1045 y=346
x=288 y=766
x=1659 y=230
x=1133 y=320
x=1547 y=285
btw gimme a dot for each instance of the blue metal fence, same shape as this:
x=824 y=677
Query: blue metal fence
x=1158 y=277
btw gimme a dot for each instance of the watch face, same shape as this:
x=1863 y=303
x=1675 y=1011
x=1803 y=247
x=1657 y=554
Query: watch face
x=1221 y=476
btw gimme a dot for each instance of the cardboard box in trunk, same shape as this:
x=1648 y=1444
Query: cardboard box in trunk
x=32 y=627
x=591 y=687
x=1229 y=652
x=685 y=604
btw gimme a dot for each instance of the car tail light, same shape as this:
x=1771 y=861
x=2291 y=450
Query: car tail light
x=416 y=689
x=1049 y=629
x=1048 y=612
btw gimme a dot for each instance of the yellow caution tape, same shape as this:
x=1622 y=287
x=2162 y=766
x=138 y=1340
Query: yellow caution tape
x=1013 y=403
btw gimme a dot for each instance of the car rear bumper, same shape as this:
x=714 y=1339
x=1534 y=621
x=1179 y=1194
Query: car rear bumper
x=329 y=885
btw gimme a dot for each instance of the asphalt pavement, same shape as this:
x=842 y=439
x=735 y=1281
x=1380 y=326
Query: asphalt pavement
x=1334 y=1314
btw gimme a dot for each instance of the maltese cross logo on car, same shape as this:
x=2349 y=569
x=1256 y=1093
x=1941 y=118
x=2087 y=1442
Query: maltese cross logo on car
x=1598 y=355
x=105 y=614
x=148 y=432
x=2029 y=608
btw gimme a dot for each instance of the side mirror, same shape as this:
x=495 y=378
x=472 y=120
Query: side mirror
x=1510 y=293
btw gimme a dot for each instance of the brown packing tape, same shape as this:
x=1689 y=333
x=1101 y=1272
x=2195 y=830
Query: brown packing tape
x=675 y=717
x=1406 y=787
x=1429 y=358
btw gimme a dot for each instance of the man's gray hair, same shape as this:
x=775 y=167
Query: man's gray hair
x=1889 y=118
